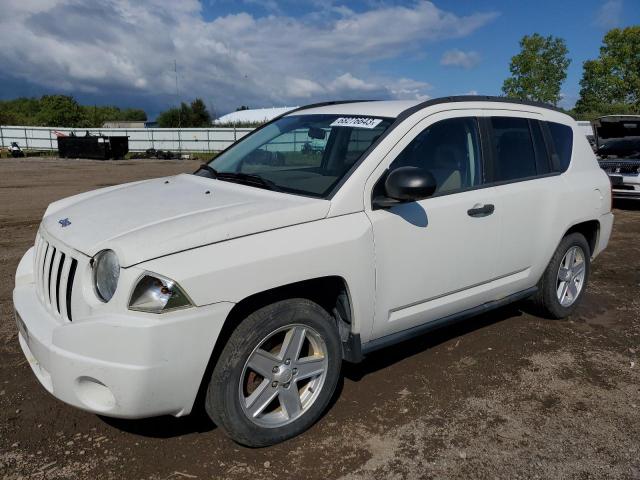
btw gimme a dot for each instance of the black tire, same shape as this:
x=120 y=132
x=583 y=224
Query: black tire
x=222 y=401
x=546 y=299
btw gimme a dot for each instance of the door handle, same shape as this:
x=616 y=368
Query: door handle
x=481 y=210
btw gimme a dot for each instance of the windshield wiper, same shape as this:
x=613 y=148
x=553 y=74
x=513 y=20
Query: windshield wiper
x=248 y=179
x=245 y=178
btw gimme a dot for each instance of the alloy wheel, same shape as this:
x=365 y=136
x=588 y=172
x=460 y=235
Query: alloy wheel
x=283 y=376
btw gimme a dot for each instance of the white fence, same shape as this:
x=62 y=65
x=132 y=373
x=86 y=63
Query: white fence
x=140 y=139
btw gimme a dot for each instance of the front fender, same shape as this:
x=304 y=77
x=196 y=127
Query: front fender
x=233 y=270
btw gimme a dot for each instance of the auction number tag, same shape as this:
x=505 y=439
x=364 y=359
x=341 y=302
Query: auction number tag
x=357 y=122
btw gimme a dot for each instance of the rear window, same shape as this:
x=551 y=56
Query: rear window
x=562 y=137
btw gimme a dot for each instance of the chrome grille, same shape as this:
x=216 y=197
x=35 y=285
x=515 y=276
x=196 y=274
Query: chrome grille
x=620 y=167
x=54 y=272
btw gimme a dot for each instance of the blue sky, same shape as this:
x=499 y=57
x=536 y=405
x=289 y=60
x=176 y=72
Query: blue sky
x=274 y=53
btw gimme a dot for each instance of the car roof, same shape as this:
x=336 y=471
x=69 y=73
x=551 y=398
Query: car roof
x=397 y=108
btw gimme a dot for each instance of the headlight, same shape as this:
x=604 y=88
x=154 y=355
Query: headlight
x=157 y=294
x=106 y=271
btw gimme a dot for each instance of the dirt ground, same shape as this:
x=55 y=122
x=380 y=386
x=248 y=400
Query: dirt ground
x=505 y=395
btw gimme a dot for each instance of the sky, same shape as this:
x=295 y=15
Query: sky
x=265 y=53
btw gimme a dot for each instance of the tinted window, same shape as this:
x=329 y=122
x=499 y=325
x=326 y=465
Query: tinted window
x=449 y=150
x=543 y=162
x=514 y=155
x=562 y=137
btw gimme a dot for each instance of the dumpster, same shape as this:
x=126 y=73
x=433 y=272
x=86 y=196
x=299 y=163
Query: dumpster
x=100 y=147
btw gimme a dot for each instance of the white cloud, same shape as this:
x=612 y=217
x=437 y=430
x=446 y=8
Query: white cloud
x=458 y=58
x=118 y=46
x=407 y=89
x=609 y=15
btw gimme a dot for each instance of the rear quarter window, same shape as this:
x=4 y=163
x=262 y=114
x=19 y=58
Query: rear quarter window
x=562 y=137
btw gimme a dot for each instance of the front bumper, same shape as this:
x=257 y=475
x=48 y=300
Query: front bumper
x=625 y=186
x=129 y=365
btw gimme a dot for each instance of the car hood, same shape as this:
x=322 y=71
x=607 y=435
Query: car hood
x=154 y=218
x=617 y=135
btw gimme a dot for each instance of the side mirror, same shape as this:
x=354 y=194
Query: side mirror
x=406 y=184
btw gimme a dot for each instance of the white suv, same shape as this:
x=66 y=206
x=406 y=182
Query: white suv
x=333 y=231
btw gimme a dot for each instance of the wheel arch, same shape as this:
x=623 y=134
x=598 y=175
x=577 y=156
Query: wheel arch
x=330 y=292
x=590 y=229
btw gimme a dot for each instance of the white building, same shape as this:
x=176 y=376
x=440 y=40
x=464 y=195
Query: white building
x=256 y=115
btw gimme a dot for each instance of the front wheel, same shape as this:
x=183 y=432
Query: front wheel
x=276 y=374
x=564 y=282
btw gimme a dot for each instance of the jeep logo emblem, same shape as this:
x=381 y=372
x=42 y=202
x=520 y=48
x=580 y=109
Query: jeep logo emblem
x=64 y=222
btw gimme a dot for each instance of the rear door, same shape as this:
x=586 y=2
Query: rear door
x=526 y=189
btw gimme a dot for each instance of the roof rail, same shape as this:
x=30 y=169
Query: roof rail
x=475 y=98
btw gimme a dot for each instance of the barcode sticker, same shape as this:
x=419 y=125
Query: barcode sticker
x=357 y=122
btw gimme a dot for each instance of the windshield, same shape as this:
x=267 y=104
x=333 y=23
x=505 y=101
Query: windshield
x=303 y=154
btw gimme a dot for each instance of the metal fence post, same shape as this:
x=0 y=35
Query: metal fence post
x=153 y=145
x=1 y=136
x=208 y=141
x=51 y=139
x=26 y=141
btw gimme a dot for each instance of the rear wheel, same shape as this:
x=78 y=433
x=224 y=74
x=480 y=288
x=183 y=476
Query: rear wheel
x=276 y=374
x=564 y=282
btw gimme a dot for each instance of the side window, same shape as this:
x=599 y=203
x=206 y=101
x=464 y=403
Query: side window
x=562 y=137
x=543 y=162
x=514 y=156
x=450 y=150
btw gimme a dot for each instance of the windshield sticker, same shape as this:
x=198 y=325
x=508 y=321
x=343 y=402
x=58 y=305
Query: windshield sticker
x=357 y=122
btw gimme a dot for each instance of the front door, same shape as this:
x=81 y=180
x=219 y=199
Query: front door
x=437 y=256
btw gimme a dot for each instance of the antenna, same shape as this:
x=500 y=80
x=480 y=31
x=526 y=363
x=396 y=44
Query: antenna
x=175 y=71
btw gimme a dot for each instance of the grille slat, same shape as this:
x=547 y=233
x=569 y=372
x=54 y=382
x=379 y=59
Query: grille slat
x=72 y=273
x=46 y=275
x=36 y=268
x=60 y=264
x=54 y=276
x=63 y=286
x=40 y=270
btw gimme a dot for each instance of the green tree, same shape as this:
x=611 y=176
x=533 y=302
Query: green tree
x=537 y=72
x=193 y=115
x=60 y=111
x=613 y=79
x=63 y=111
x=173 y=117
x=133 y=115
x=200 y=116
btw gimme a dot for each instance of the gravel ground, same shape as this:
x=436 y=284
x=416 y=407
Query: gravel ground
x=504 y=395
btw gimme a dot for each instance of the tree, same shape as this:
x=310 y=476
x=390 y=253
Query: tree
x=193 y=115
x=63 y=111
x=174 y=117
x=537 y=72
x=200 y=116
x=60 y=111
x=613 y=79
